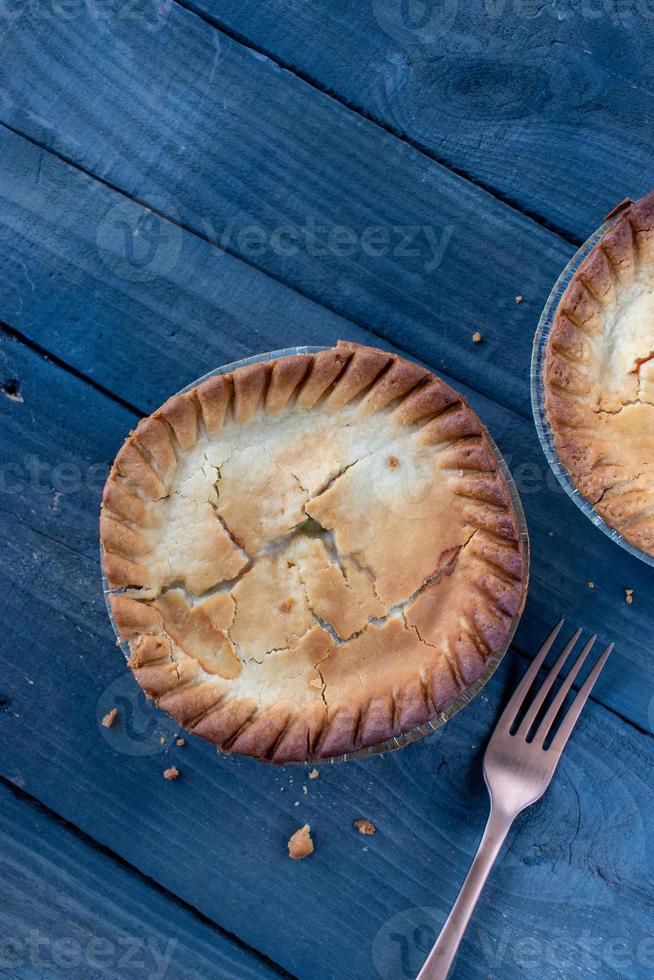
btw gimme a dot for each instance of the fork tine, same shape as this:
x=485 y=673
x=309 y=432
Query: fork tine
x=577 y=705
x=541 y=733
x=511 y=710
x=545 y=687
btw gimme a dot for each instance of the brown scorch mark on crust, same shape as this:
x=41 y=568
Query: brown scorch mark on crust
x=642 y=360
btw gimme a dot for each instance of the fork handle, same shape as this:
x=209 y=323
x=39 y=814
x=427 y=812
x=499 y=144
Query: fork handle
x=438 y=963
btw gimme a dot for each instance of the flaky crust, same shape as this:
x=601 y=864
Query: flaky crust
x=311 y=555
x=599 y=375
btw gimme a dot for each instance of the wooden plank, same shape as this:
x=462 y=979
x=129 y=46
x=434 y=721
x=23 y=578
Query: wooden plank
x=548 y=105
x=288 y=179
x=207 y=311
x=134 y=335
x=334 y=915
x=69 y=909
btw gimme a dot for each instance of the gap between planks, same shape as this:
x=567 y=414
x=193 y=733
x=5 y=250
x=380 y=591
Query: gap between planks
x=187 y=229
x=52 y=358
x=196 y=233
x=117 y=859
x=358 y=110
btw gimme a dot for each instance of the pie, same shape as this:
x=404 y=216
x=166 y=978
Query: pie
x=599 y=376
x=311 y=555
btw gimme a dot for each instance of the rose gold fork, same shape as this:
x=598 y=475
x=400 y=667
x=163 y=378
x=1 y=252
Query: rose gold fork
x=517 y=773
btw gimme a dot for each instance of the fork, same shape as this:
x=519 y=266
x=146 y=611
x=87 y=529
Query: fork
x=517 y=772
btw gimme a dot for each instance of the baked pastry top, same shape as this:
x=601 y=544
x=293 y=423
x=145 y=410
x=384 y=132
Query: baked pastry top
x=599 y=376
x=311 y=555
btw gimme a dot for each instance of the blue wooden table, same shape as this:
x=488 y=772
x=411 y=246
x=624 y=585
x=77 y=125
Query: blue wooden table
x=186 y=182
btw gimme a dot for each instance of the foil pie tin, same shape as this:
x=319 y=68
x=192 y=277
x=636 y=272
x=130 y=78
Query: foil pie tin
x=470 y=692
x=538 y=395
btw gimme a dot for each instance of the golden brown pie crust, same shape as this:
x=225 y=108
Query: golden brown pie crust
x=311 y=555
x=599 y=375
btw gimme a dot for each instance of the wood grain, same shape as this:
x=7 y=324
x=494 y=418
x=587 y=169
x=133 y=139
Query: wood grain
x=536 y=101
x=68 y=908
x=145 y=340
x=308 y=191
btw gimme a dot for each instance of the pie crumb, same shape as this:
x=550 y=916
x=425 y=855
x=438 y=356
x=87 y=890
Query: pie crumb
x=162 y=740
x=365 y=827
x=110 y=718
x=629 y=596
x=287 y=605
x=305 y=790
x=591 y=585
x=181 y=742
x=476 y=337
x=519 y=299
x=393 y=462
x=314 y=774
x=172 y=773
x=300 y=845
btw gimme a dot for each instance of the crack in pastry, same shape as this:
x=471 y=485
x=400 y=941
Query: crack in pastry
x=311 y=555
x=599 y=376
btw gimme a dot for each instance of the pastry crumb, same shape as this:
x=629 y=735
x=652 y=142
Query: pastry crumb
x=366 y=827
x=305 y=790
x=476 y=337
x=300 y=845
x=180 y=741
x=314 y=773
x=519 y=299
x=162 y=740
x=629 y=596
x=172 y=773
x=591 y=585
x=393 y=462
x=110 y=718
x=287 y=605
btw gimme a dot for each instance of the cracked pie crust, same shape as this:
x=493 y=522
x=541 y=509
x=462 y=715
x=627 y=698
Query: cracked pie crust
x=599 y=376
x=311 y=555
